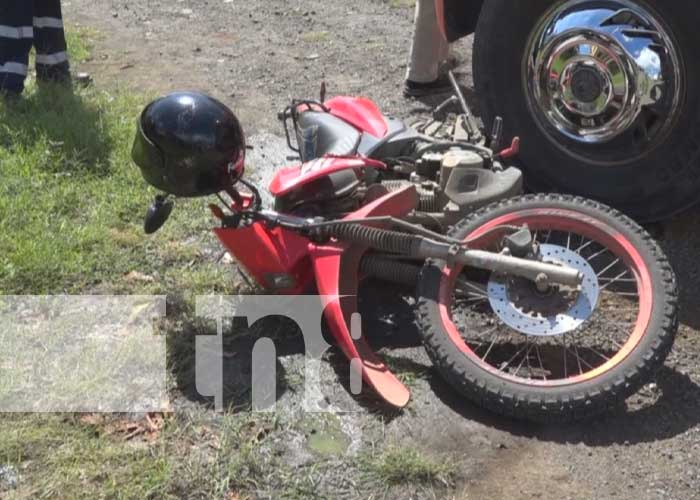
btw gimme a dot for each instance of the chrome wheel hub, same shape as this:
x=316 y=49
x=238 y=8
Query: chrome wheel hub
x=597 y=69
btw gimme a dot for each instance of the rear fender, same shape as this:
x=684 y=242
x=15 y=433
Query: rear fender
x=361 y=113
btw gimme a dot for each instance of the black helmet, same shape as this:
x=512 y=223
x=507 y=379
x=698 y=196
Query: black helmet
x=189 y=144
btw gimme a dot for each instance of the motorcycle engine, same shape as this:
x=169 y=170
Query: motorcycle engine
x=456 y=182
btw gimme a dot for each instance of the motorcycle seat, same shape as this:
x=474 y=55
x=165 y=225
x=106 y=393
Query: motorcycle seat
x=324 y=134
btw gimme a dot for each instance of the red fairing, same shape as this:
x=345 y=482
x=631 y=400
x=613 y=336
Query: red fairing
x=288 y=179
x=361 y=113
x=269 y=254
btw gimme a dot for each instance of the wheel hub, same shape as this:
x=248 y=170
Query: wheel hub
x=556 y=312
x=596 y=69
x=587 y=84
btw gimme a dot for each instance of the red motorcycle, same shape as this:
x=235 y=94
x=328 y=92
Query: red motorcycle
x=543 y=307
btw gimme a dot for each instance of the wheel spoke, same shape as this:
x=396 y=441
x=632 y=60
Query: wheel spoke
x=580 y=360
x=583 y=247
x=539 y=357
x=515 y=356
x=614 y=263
x=597 y=254
x=618 y=309
x=599 y=354
x=488 y=351
x=481 y=292
x=493 y=343
x=474 y=299
x=527 y=358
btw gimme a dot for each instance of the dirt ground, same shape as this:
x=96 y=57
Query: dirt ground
x=256 y=56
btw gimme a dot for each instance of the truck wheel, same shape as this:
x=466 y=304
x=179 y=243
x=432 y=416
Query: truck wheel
x=605 y=95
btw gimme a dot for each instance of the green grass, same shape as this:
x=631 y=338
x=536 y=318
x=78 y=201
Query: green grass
x=58 y=457
x=406 y=370
x=61 y=456
x=72 y=202
x=399 y=4
x=80 y=42
x=397 y=466
x=71 y=217
x=315 y=36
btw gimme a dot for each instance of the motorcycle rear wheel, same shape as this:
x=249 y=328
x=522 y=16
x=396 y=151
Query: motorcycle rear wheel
x=558 y=356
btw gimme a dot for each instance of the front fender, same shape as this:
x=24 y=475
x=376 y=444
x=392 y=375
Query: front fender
x=337 y=268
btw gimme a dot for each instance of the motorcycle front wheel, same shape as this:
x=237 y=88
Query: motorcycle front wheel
x=554 y=355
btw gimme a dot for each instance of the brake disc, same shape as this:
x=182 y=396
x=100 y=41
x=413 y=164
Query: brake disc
x=523 y=308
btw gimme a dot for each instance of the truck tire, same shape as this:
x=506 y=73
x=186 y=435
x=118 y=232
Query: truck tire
x=604 y=94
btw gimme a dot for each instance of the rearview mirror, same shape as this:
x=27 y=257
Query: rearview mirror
x=158 y=214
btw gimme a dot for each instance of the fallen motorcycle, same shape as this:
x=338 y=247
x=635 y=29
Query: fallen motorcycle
x=547 y=307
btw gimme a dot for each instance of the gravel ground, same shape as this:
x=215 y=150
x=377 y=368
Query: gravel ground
x=257 y=55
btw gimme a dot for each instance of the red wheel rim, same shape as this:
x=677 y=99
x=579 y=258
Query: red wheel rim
x=544 y=219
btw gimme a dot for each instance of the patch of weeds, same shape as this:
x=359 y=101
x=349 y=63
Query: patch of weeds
x=68 y=184
x=407 y=370
x=80 y=42
x=220 y=456
x=58 y=457
x=400 y=4
x=315 y=36
x=244 y=464
x=301 y=484
x=397 y=466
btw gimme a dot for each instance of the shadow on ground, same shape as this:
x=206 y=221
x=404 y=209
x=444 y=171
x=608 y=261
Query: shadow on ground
x=674 y=411
x=41 y=115
x=239 y=339
x=425 y=105
x=668 y=407
x=681 y=241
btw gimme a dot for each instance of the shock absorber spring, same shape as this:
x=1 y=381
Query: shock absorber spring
x=377 y=238
x=390 y=270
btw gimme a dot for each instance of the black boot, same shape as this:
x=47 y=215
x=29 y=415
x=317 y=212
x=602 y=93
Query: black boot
x=416 y=89
x=58 y=74
x=10 y=97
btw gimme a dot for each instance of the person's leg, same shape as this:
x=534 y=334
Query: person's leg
x=50 y=42
x=15 y=44
x=429 y=48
